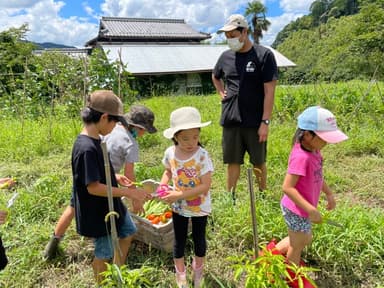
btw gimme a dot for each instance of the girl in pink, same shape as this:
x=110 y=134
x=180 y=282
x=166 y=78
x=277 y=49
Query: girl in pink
x=304 y=180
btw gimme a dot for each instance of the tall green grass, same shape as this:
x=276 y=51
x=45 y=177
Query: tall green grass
x=37 y=153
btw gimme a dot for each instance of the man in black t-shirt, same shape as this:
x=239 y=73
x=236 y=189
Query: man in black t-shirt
x=245 y=77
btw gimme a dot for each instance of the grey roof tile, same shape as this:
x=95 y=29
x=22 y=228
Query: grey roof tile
x=145 y=59
x=148 y=28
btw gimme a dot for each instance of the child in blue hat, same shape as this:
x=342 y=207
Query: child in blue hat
x=304 y=180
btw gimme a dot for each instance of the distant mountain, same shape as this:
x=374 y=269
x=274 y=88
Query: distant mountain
x=51 y=45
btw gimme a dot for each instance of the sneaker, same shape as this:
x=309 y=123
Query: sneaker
x=181 y=279
x=197 y=275
x=51 y=249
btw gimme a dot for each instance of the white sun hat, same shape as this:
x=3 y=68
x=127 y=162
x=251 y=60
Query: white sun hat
x=182 y=119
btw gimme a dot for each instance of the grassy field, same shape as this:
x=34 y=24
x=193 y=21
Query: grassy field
x=37 y=153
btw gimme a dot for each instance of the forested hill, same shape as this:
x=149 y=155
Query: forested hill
x=339 y=40
x=51 y=45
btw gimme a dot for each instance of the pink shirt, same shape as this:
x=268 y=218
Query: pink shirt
x=309 y=166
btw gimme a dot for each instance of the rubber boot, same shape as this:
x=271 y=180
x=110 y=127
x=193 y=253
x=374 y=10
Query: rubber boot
x=52 y=247
x=181 y=278
x=197 y=275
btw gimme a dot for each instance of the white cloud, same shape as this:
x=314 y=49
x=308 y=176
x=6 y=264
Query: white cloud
x=17 y=4
x=202 y=15
x=46 y=25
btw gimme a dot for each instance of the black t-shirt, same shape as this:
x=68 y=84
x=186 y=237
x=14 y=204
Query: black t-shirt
x=88 y=167
x=244 y=74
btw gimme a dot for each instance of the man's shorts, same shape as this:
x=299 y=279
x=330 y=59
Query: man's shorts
x=295 y=222
x=103 y=245
x=236 y=141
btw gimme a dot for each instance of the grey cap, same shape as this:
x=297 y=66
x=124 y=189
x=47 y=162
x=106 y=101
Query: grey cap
x=233 y=22
x=141 y=117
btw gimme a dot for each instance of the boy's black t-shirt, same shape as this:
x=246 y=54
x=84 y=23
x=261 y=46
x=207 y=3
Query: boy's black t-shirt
x=90 y=210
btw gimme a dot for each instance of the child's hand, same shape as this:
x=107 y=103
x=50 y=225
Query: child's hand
x=137 y=194
x=171 y=196
x=123 y=180
x=162 y=190
x=137 y=207
x=331 y=202
x=3 y=216
x=315 y=216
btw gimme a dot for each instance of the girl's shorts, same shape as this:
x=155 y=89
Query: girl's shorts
x=295 y=222
x=103 y=245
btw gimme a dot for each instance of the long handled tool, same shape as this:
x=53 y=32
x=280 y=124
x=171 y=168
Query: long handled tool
x=253 y=211
x=111 y=215
x=12 y=200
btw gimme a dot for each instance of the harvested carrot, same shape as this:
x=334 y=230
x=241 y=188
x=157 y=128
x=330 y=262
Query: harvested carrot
x=155 y=220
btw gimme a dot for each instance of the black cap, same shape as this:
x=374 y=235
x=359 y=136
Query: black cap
x=142 y=117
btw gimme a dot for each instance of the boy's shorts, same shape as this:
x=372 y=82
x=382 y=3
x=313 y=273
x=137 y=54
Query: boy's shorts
x=237 y=140
x=103 y=245
x=295 y=222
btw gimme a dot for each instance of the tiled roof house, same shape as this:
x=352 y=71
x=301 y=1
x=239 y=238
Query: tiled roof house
x=145 y=30
x=155 y=48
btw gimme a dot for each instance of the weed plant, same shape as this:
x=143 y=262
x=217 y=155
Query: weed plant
x=37 y=151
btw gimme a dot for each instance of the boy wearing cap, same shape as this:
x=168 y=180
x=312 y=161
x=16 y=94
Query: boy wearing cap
x=123 y=152
x=123 y=146
x=103 y=110
x=304 y=180
x=245 y=77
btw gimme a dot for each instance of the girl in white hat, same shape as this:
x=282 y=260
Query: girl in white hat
x=189 y=167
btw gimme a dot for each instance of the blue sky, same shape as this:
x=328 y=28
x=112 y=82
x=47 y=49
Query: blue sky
x=74 y=22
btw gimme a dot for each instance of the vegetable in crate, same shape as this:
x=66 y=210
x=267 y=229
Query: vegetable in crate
x=156 y=212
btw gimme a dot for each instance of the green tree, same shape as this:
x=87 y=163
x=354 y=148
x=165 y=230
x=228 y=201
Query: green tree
x=302 y=23
x=258 y=22
x=319 y=11
x=345 y=7
x=14 y=51
x=350 y=48
x=31 y=84
x=104 y=75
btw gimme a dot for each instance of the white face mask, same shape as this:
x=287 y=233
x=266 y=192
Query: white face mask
x=235 y=44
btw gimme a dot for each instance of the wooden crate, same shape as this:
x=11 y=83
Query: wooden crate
x=159 y=236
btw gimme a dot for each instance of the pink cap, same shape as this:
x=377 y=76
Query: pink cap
x=322 y=122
